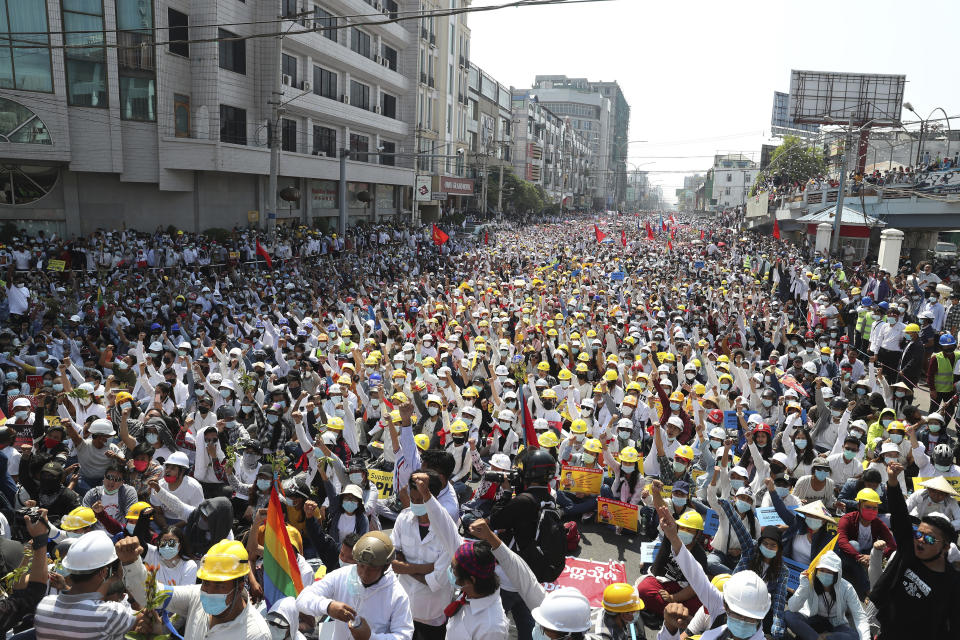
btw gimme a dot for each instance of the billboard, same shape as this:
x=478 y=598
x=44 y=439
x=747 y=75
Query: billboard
x=782 y=124
x=766 y=152
x=823 y=97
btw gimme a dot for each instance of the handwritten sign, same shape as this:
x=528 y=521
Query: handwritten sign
x=56 y=265
x=699 y=264
x=617 y=275
x=620 y=514
x=234 y=255
x=581 y=480
x=711 y=522
x=793 y=581
x=384 y=482
x=589 y=578
x=768 y=516
x=648 y=551
x=34 y=382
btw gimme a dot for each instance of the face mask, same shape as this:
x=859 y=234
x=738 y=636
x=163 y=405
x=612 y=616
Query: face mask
x=836 y=413
x=678 y=502
x=891 y=321
x=942 y=468
x=213 y=603
x=272 y=418
x=170 y=478
x=624 y=435
x=418 y=509
x=685 y=537
x=169 y=552
x=861 y=391
x=589 y=458
x=800 y=443
x=848 y=455
x=356 y=478
x=246 y=408
x=820 y=474
x=123 y=366
x=767 y=403
x=715 y=444
x=725 y=387
x=868 y=513
x=690 y=376
x=263 y=484
x=736 y=483
x=675 y=406
x=826 y=579
x=152 y=438
x=886 y=422
x=21 y=415
x=743 y=506
x=767 y=553
x=814 y=524
x=934 y=427
x=579 y=437
x=896 y=438
x=451 y=576
x=741 y=629
x=627 y=411
x=350 y=506
x=203 y=410
x=433 y=411
x=900 y=394
x=679 y=467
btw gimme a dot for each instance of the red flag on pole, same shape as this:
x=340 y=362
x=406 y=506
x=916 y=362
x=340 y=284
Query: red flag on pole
x=529 y=432
x=486 y=237
x=439 y=237
x=776 y=229
x=263 y=254
x=701 y=234
x=600 y=234
x=623 y=237
x=649 y=231
x=669 y=245
x=672 y=233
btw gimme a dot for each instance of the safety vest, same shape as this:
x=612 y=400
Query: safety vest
x=943 y=379
x=865 y=323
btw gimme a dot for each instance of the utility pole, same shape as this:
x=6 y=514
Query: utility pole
x=342 y=194
x=838 y=213
x=500 y=188
x=274 y=130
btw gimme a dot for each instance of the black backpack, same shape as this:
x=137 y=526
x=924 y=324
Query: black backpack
x=546 y=554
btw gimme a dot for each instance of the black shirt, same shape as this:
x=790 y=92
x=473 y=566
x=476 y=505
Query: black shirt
x=521 y=515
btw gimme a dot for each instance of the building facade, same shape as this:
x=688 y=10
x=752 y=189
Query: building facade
x=489 y=126
x=155 y=115
x=733 y=175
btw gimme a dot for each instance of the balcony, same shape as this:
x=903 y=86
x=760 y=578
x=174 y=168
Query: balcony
x=424 y=34
x=433 y=39
x=423 y=78
x=431 y=82
x=462 y=62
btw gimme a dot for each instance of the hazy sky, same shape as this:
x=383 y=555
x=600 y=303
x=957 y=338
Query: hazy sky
x=700 y=76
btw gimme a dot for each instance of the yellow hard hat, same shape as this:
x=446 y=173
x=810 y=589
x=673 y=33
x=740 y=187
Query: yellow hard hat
x=677 y=396
x=226 y=560
x=428 y=362
x=423 y=442
x=395 y=416
x=459 y=426
x=621 y=597
x=896 y=425
x=630 y=401
x=868 y=495
x=582 y=367
x=543 y=366
x=685 y=452
x=583 y=357
x=123 y=396
x=912 y=328
x=634 y=386
x=398 y=373
x=719 y=580
x=564 y=374
x=335 y=423
x=691 y=520
x=470 y=392
x=549 y=394
x=610 y=375
x=548 y=439
x=579 y=426
x=79 y=518
x=133 y=513
x=723 y=358
x=613 y=358
x=593 y=445
x=628 y=455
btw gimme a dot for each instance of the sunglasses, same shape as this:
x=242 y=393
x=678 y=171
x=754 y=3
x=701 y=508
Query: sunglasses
x=113 y=478
x=925 y=538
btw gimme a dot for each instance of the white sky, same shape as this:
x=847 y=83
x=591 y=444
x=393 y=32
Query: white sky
x=700 y=76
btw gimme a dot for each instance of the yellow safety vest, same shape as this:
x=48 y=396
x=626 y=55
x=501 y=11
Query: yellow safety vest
x=867 y=328
x=943 y=379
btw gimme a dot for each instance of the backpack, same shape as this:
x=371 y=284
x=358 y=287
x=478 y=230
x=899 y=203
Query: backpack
x=547 y=552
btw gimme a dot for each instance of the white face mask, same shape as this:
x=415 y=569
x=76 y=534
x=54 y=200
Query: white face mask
x=433 y=411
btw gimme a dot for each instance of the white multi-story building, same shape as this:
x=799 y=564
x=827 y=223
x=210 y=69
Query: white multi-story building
x=733 y=175
x=157 y=115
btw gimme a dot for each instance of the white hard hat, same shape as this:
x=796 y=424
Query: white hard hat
x=718 y=432
x=826 y=392
x=566 y=610
x=745 y=594
x=505 y=415
x=625 y=424
x=156 y=346
x=502 y=370
x=102 y=427
x=810 y=368
x=540 y=424
x=329 y=438
x=87 y=387
x=91 y=551
x=500 y=461
x=675 y=421
x=178 y=458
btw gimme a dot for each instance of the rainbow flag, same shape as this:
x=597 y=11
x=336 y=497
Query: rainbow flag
x=281 y=575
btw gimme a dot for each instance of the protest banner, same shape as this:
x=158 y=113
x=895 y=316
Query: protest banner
x=581 y=480
x=589 y=578
x=954 y=482
x=56 y=265
x=619 y=514
x=384 y=482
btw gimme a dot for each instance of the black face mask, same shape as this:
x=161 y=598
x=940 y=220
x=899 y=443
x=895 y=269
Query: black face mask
x=49 y=485
x=204 y=410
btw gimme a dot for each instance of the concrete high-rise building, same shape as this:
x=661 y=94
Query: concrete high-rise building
x=489 y=132
x=617 y=131
x=733 y=174
x=162 y=116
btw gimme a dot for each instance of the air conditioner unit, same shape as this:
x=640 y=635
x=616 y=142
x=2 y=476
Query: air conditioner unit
x=385 y=63
x=287 y=80
x=345 y=99
x=379 y=7
x=377 y=59
x=376 y=109
x=306 y=85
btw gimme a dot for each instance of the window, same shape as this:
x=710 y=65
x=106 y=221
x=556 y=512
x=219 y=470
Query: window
x=390 y=55
x=450 y=119
x=181 y=115
x=233 y=125
x=729 y=177
x=325 y=83
x=178 y=33
x=326 y=23
x=392 y=8
x=386 y=155
x=288 y=134
x=360 y=42
x=324 y=141
x=233 y=53
x=288 y=67
x=389 y=105
x=726 y=191
x=359 y=147
x=26 y=67
x=288 y=9
x=359 y=95
x=136 y=60
x=86 y=66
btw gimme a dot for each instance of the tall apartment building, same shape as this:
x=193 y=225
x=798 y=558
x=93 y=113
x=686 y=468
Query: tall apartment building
x=489 y=126
x=733 y=174
x=616 y=133
x=440 y=53
x=549 y=151
x=160 y=111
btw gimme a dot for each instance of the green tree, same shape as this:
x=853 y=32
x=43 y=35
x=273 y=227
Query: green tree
x=795 y=160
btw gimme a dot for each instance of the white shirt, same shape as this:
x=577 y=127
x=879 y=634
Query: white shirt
x=188 y=493
x=427 y=601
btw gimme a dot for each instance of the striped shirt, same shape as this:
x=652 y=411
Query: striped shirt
x=81 y=616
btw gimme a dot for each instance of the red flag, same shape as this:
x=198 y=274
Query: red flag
x=529 y=433
x=649 y=231
x=701 y=234
x=623 y=237
x=672 y=219
x=439 y=237
x=263 y=254
x=600 y=234
x=672 y=233
x=669 y=245
x=486 y=237
x=776 y=229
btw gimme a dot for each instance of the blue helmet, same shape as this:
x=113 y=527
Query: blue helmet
x=839 y=265
x=867 y=301
x=884 y=305
x=375 y=379
x=947 y=340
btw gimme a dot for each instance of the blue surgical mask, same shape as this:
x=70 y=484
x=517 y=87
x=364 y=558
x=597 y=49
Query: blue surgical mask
x=272 y=418
x=685 y=537
x=451 y=576
x=813 y=524
x=741 y=629
x=743 y=506
x=820 y=474
x=886 y=422
x=679 y=467
x=213 y=603
x=900 y=394
x=767 y=553
x=58 y=386
x=418 y=509
x=675 y=406
x=826 y=579
x=861 y=391
x=152 y=438
x=169 y=552
x=849 y=455
x=783 y=491
x=679 y=502
x=356 y=478
x=736 y=483
x=263 y=484
x=800 y=443
x=767 y=402
x=350 y=506
x=934 y=427
x=224 y=392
